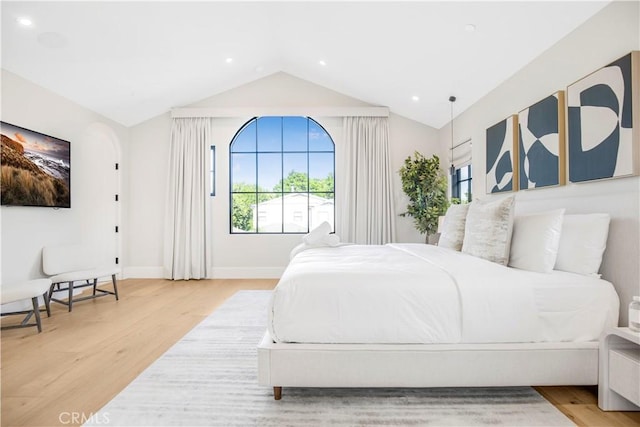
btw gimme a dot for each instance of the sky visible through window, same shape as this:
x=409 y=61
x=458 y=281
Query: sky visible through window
x=282 y=143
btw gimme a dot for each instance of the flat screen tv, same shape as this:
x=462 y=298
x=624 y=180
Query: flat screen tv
x=35 y=169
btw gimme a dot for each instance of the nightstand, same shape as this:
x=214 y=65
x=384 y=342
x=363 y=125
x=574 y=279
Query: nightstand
x=619 y=371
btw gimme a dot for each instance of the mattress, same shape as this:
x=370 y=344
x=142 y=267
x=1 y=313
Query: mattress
x=423 y=294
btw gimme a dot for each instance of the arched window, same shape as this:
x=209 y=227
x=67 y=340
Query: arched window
x=281 y=176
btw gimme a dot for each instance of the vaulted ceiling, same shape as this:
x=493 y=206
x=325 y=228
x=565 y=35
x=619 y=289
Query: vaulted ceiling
x=131 y=61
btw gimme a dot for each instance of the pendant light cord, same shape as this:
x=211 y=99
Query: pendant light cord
x=452 y=99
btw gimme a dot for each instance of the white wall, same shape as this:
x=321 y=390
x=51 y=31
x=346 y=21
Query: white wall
x=610 y=34
x=147 y=185
x=244 y=255
x=25 y=230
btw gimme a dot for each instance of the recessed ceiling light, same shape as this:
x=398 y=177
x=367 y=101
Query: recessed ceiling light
x=415 y=98
x=470 y=28
x=322 y=62
x=25 y=21
x=228 y=60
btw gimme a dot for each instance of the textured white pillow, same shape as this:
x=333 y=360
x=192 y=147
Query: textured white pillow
x=487 y=233
x=582 y=243
x=453 y=228
x=535 y=241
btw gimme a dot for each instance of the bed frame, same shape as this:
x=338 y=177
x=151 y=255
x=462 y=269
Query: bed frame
x=425 y=365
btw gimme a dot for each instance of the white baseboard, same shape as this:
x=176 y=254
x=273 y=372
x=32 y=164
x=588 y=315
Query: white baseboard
x=218 y=272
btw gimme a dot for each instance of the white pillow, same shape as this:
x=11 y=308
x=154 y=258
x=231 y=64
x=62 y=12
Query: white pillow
x=452 y=233
x=582 y=243
x=317 y=234
x=487 y=233
x=535 y=241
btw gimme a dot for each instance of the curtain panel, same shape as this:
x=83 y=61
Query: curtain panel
x=187 y=242
x=366 y=211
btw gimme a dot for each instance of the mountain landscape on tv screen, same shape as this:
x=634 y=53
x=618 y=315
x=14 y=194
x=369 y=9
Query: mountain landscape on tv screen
x=35 y=169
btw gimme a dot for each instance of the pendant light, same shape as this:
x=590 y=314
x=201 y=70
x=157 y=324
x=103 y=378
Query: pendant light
x=452 y=99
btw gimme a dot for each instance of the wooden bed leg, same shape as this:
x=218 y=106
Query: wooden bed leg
x=277 y=393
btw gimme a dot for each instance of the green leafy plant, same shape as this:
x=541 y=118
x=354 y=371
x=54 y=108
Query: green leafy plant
x=426 y=187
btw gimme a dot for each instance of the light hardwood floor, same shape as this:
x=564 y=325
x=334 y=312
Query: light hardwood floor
x=83 y=359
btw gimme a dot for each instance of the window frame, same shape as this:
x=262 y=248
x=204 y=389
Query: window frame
x=282 y=193
x=213 y=171
x=456 y=183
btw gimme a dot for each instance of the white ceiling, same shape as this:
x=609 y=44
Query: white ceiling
x=131 y=61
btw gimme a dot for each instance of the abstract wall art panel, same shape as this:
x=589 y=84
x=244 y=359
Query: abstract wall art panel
x=501 y=149
x=603 y=128
x=541 y=144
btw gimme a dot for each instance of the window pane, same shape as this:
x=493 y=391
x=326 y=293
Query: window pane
x=282 y=176
x=245 y=141
x=270 y=134
x=242 y=208
x=321 y=170
x=243 y=172
x=464 y=191
x=319 y=140
x=294 y=133
x=296 y=213
x=268 y=213
x=295 y=172
x=321 y=208
x=464 y=172
x=269 y=171
x=212 y=184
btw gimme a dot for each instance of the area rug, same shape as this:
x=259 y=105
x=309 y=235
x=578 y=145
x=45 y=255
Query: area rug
x=209 y=378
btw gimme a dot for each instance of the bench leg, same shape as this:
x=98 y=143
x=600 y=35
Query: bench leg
x=51 y=292
x=95 y=283
x=36 y=312
x=70 y=295
x=115 y=286
x=277 y=393
x=47 y=303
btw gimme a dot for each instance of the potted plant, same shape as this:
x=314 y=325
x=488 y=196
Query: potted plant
x=426 y=187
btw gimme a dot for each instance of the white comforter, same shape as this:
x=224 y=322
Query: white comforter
x=415 y=293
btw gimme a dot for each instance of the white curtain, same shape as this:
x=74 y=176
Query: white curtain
x=187 y=242
x=366 y=212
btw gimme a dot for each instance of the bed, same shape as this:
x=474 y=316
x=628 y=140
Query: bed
x=415 y=315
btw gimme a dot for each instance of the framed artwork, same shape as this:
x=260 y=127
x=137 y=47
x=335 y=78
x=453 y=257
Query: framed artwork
x=541 y=143
x=35 y=168
x=603 y=128
x=501 y=152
